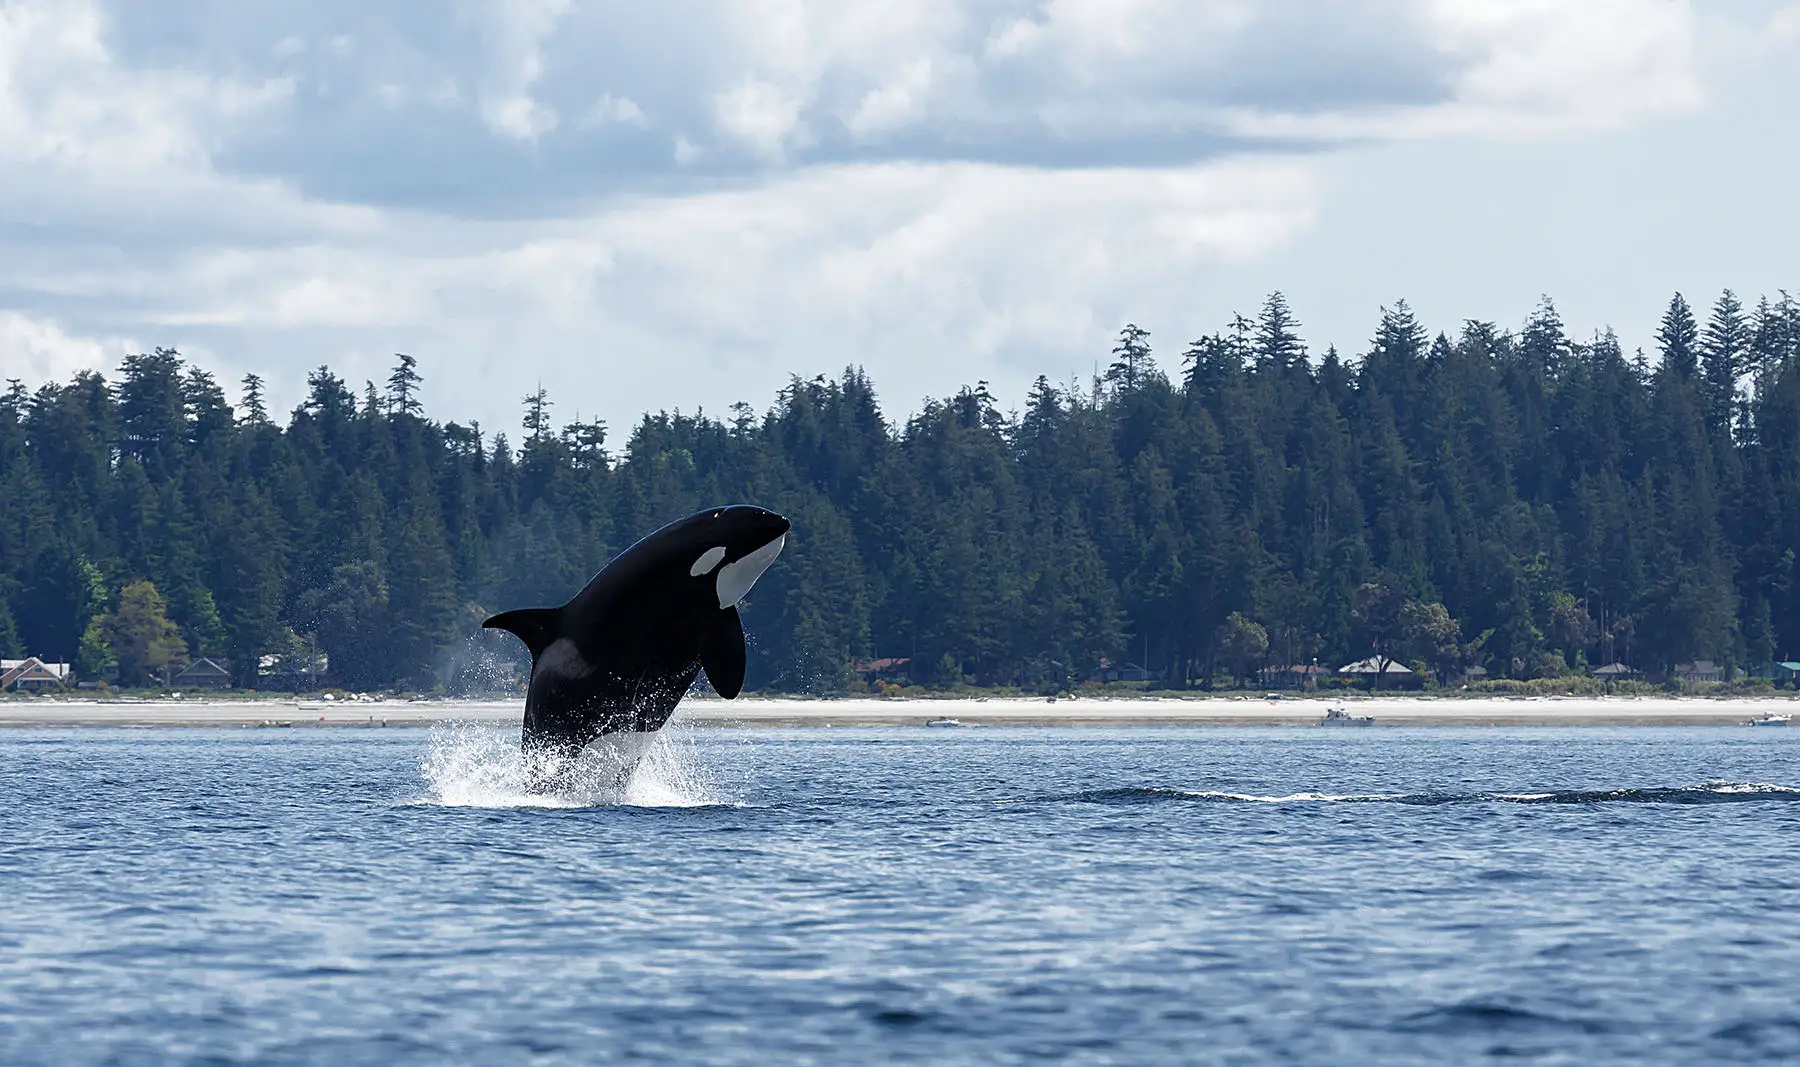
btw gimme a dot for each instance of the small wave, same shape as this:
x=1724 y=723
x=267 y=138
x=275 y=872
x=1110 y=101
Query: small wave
x=1708 y=793
x=1483 y=1017
x=480 y=765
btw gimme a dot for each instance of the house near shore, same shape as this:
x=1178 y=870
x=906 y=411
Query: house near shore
x=1703 y=670
x=1381 y=672
x=884 y=669
x=1125 y=672
x=1616 y=672
x=1294 y=676
x=1375 y=665
x=203 y=673
x=292 y=673
x=1787 y=670
x=33 y=675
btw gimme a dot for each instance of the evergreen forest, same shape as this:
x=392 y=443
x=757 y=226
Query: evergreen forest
x=1529 y=502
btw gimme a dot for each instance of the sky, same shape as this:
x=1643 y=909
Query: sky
x=675 y=206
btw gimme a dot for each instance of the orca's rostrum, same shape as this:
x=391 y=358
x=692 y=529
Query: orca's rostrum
x=614 y=662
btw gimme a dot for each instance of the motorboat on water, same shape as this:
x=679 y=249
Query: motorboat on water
x=1772 y=718
x=1340 y=717
x=943 y=722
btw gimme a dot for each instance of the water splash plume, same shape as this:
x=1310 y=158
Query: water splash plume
x=480 y=765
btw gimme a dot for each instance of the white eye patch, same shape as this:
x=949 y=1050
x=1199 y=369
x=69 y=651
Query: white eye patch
x=707 y=561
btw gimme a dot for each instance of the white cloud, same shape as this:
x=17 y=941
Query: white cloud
x=1784 y=25
x=761 y=115
x=935 y=272
x=614 y=110
x=658 y=205
x=66 y=106
x=515 y=31
x=1544 y=63
x=1527 y=68
x=37 y=351
x=93 y=150
x=895 y=103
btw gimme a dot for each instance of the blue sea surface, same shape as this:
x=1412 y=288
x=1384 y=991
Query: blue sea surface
x=907 y=895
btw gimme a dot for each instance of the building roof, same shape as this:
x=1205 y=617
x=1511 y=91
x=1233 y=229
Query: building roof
x=1788 y=665
x=1614 y=668
x=887 y=663
x=31 y=667
x=1375 y=665
x=203 y=668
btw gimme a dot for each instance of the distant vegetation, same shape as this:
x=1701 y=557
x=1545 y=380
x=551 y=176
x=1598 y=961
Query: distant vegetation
x=1527 y=502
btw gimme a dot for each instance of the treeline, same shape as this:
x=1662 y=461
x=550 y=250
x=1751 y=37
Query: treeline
x=1527 y=502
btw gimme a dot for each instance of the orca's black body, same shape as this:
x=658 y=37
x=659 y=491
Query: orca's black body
x=618 y=658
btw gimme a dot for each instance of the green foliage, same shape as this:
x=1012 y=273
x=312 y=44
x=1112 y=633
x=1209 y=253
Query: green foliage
x=1430 y=634
x=1530 y=503
x=93 y=653
x=141 y=636
x=1243 y=643
x=64 y=592
x=10 y=645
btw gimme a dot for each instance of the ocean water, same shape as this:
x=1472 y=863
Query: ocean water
x=907 y=895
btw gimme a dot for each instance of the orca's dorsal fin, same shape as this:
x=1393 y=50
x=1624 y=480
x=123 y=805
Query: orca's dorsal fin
x=722 y=654
x=537 y=627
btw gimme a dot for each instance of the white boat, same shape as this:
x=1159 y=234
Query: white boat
x=943 y=722
x=1772 y=718
x=1340 y=717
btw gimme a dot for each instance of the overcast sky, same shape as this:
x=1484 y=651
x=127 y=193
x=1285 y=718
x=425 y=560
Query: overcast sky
x=679 y=204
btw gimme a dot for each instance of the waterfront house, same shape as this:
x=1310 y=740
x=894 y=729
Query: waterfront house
x=1294 y=676
x=292 y=673
x=1375 y=665
x=1704 y=670
x=204 y=673
x=1383 y=672
x=33 y=675
x=884 y=669
x=1128 y=672
x=1615 y=672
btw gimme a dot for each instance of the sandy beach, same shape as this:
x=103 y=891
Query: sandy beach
x=1089 y=711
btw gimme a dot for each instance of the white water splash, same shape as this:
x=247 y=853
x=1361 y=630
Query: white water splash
x=479 y=765
x=1749 y=787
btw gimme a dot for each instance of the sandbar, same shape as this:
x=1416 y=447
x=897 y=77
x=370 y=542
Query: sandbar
x=996 y=711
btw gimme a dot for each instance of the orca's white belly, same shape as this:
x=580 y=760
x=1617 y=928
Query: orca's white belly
x=613 y=757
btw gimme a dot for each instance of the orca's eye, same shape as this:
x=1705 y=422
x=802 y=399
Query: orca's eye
x=707 y=561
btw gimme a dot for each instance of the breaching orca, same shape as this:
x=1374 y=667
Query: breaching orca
x=611 y=664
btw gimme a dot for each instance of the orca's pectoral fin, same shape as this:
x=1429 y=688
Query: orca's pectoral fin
x=722 y=654
x=537 y=627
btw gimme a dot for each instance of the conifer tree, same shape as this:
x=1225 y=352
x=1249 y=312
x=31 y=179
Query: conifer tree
x=1725 y=349
x=1499 y=487
x=403 y=386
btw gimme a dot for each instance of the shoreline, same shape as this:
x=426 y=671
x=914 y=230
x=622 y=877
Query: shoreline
x=972 y=711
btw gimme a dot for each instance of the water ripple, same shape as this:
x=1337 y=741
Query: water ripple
x=855 y=896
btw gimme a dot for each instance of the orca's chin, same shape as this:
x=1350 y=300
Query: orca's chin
x=736 y=578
